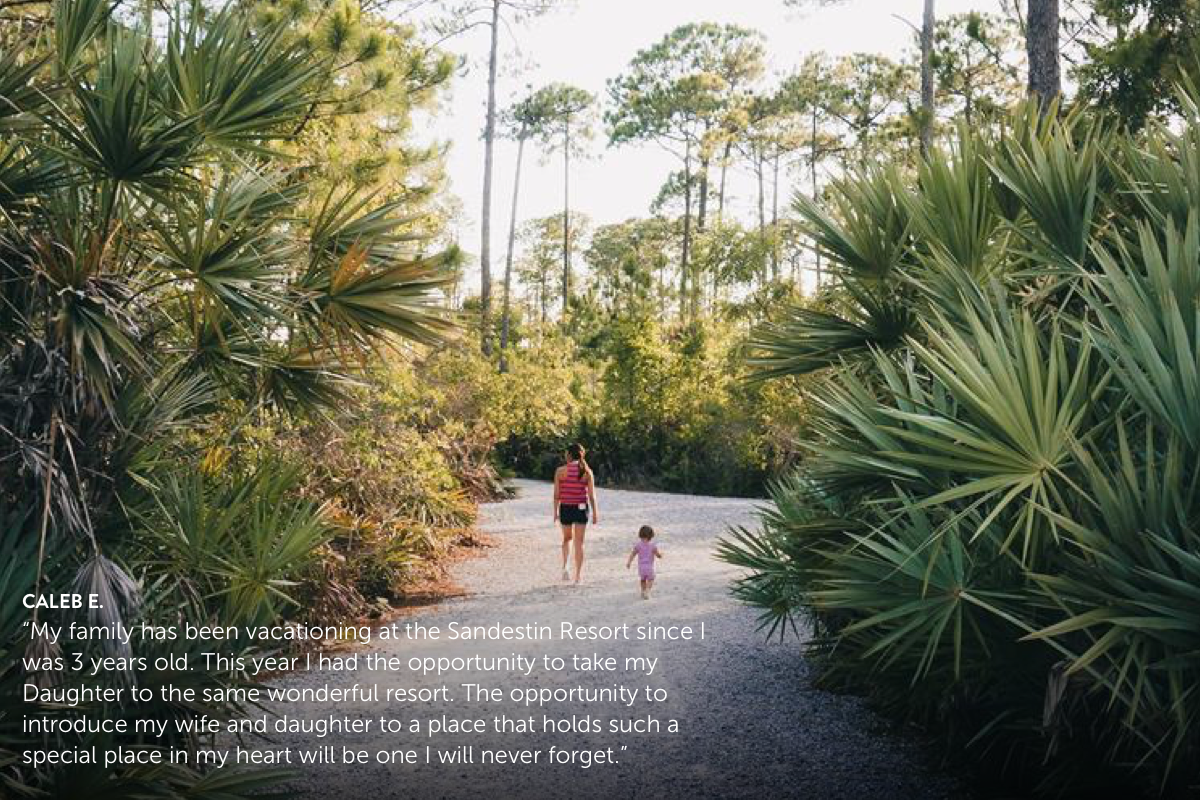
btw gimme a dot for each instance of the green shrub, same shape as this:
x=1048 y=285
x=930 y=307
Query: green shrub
x=237 y=545
x=161 y=263
x=993 y=529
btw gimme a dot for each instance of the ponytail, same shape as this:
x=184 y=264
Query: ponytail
x=577 y=452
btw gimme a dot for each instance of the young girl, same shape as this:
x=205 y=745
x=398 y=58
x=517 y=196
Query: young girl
x=645 y=551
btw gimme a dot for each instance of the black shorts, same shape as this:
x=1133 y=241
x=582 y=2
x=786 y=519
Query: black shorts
x=572 y=514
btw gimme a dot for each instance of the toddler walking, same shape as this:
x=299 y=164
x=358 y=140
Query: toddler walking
x=645 y=551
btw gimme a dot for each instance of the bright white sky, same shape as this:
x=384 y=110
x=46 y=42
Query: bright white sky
x=586 y=44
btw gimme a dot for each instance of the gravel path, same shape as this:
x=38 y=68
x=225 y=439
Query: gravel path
x=750 y=723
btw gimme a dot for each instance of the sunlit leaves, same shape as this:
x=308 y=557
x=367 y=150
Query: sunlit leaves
x=236 y=540
x=1056 y=179
x=76 y=25
x=242 y=87
x=954 y=213
x=366 y=275
x=1023 y=397
x=20 y=97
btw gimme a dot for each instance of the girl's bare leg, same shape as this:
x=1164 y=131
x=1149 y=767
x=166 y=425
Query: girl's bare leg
x=578 y=537
x=566 y=550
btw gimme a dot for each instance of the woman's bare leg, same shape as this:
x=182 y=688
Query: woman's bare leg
x=566 y=549
x=578 y=537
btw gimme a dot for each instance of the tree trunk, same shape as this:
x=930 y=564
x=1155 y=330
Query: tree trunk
x=927 y=88
x=1041 y=46
x=697 y=284
x=759 y=174
x=717 y=289
x=775 y=218
x=812 y=175
x=566 y=243
x=685 y=256
x=506 y=314
x=721 y=190
x=485 y=221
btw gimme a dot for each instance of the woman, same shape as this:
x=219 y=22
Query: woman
x=574 y=494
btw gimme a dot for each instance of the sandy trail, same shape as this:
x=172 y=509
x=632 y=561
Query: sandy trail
x=751 y=725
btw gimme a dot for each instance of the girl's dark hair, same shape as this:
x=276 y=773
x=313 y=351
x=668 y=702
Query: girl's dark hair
x=646 y=532
x=576 y=452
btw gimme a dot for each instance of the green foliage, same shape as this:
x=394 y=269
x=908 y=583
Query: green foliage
x=234 y=543
x=973 y=69
x=541 y=263
x=656 y=407
x=557 y=115
x=676 y=86
x=992 y=531
x=164 y=266
x=1138 y=51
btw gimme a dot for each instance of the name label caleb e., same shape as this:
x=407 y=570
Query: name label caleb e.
x=61 y=601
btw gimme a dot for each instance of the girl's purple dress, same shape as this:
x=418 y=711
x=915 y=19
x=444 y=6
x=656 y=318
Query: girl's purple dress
x=645 y=556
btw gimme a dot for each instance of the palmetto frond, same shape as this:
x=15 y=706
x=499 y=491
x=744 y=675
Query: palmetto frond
x=867 y=233
x=1056 y=179
x=1148 y=328
x=242 y=87
x=924 y=607
x=77 y=25
x=800 y=340
x=226 y=243
x=122 y=133
x=1129 y=593
x=21 y=99
x=1023 y=398
x=795 y=541
x=366 y=276
x=955 y=215
x=236 y=540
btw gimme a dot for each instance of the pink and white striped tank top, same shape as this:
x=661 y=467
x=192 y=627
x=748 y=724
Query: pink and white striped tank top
x=572 y=486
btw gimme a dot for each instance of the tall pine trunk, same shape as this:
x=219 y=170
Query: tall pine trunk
x=506 y=314
x=701 y=223
x=759 y=174
x=1041 y=46
x=566 y=224
x=812 y=175
x=685 y=257
x=721 y=189
x=927 y=88
x=775 y=217
x=485 y=221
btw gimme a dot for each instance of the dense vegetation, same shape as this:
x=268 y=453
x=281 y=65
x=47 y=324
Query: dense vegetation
x=994 y=532
x=184 y=297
